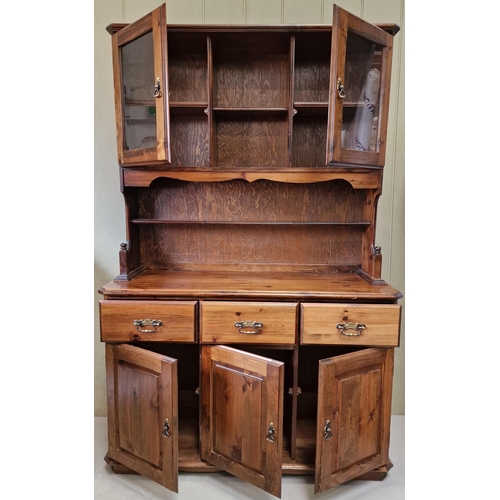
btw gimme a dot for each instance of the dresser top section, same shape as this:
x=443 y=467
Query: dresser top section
x=390 y=28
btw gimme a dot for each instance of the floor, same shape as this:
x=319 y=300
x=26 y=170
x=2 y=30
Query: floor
x=222 y=486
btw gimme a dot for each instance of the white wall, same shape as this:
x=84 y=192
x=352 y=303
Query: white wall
x=109 y=213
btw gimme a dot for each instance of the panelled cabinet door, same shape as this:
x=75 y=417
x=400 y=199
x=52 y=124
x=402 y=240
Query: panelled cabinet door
x=354 y=411
x=360 y=72
x=242 y=415
x=142 y=412
x=141 y=90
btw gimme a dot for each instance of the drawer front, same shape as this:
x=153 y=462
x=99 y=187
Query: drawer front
x=359 y=324
x=257 y=322
x=134 y=320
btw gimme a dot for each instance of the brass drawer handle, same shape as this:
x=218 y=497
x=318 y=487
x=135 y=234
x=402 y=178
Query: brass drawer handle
x=157 y=91
x=147 y=322
x=359 y=327
x=340 y=89
x=166 y=429
x=249 y=327
x=270 y=433
x=327 y=431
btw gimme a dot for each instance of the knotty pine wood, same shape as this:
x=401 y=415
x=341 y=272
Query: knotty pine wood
x=217 y=322
x=248 y=212
x=318 y=324
x=142 y=392
x=177 y=320
x=143 y=177
x=354 y=393
x=274 y=285
x=237 y=385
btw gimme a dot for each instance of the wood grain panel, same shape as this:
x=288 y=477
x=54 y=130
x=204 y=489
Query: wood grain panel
x=187 y=67
x=138 y=428
x=237 y=394
x=309 y=141
x=251 y=71
x=354 y=392
x=177 y=320
x=234 y=246
x=261 y=200
x=251 y=141
x=312 y=68
x=142 y=394
x=242 y=394
x=318 y=324
x=189 y=140
x=273 y=283
x=217 y=321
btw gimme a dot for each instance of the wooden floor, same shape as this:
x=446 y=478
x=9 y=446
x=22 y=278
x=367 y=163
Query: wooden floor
x=222 y=486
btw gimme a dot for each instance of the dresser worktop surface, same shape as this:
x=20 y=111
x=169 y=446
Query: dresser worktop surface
x=240 y=284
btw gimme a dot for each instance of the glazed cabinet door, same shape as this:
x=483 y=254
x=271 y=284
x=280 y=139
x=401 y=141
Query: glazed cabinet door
x=141 y=90
x=242 y=415
x=142 y=412
x=360 y=72
x=354 y=411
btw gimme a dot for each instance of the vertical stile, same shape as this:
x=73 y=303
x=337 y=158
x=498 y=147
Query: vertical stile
x=295 y=384
x=211 y=132
x=291 y=110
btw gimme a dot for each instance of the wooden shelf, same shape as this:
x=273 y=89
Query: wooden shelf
x=252 y=223
x=250 y=111
x=188 y=108
x=310 y=109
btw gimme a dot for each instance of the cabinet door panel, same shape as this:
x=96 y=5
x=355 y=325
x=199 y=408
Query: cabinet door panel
x=242 y=415
x=360 y=72
x=354 y=406
x=142 y=412
x=141 y=90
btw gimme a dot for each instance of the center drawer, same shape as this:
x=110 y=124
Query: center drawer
x=248 y=322
x=151 y=320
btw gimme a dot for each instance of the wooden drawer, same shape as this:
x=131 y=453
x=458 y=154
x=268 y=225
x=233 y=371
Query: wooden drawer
x=278 y=320
x=118 y=317
x=378 y=324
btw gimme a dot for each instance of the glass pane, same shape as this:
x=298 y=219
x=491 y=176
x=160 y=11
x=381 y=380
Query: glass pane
x=360 y=107
x=138 y=82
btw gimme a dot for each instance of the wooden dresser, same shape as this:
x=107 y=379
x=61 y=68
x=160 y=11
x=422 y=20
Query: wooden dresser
x=249 y=329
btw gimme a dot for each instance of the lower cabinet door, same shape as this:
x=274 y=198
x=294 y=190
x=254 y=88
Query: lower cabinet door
x=242 y=415
x=354 y=411
x=142 y=412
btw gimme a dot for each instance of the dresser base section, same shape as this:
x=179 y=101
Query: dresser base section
x=291 y=469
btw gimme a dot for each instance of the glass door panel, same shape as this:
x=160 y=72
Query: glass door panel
x=138 y=86
x=361 y=104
